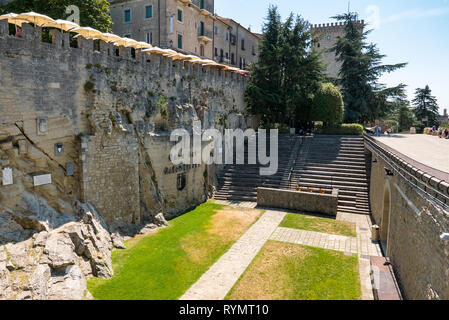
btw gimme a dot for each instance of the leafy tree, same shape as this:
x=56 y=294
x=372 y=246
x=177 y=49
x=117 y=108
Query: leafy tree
x=425 y=105
x=288 y=73
x=93 y=13
x=328 y=105
x=365 y=98
x=263 y=95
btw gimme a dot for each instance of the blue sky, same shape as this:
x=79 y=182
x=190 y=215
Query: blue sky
x=410 y=31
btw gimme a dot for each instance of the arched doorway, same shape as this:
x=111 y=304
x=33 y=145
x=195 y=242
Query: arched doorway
x=384 y=229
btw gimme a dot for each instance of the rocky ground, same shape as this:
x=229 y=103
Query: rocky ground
x=45 y=264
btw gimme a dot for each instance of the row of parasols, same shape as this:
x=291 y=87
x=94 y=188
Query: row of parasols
x=44 y=21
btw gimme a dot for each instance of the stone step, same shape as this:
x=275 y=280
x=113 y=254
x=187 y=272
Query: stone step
x=330 y=182
x=333 y=173
x=334 y=178
x=326 y=186
x=353 y=210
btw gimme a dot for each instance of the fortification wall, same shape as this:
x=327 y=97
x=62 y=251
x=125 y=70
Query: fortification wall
x=111 y=110
x=411 y=228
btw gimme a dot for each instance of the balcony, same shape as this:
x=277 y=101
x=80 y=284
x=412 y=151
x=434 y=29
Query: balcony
x=206 y=13
x=233 y=39
x=204 y=36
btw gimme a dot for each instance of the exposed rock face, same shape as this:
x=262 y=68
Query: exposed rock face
x=57 y=264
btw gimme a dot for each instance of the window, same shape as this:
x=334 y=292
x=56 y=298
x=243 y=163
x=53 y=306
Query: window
x=227 y=36
x=216 y=52
x=216 y=30
x=179 y=41
x=181 y=181
x=232 y=58
x=201 y=4
x=149 y=37
x=128 y=15
x=201 y=28
x=202 y=50
x=179 y=15
x=148 y=12
x=171 y=25
x=243 y=44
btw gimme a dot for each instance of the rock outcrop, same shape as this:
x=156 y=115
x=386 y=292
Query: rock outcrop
x=56 y=264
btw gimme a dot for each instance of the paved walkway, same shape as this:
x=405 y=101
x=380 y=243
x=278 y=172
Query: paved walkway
x=240 y=204
x=221 y=277
x=429 y=150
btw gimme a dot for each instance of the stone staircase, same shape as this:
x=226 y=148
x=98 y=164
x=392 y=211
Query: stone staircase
x=240 y=182
x=327 y=162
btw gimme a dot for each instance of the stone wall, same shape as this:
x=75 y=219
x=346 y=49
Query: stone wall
x=110 y=110
x=301 y=201
x=411 y=227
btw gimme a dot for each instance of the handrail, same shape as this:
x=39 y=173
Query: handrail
x=438 y=192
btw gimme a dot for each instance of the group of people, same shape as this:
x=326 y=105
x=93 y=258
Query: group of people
x=378 y=131
x=442 y=132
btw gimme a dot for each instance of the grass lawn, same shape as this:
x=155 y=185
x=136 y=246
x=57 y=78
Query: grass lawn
x=163 y=265
x=283 y=271
x=324 y=225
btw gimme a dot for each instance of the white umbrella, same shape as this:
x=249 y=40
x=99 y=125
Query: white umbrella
x=87 y=32
x=110 y=37
x=61 y=24
x=36 y=18
x=125 y=42
x=12 y=18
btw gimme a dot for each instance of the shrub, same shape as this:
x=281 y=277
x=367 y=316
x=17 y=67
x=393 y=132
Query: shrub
x=328 y=105
x=353 y=129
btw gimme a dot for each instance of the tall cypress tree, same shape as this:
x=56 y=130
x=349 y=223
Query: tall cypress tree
x=288 y=73
x=263 y=95
x=365 y=98
x=425 y=105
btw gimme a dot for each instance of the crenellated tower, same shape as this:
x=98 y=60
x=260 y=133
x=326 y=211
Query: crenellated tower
x=325 y=37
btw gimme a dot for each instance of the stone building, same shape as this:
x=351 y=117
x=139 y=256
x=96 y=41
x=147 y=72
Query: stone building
x=187 y=26
x=244 y=44
x=325 y=37
x=443 y=119
x=182 y=25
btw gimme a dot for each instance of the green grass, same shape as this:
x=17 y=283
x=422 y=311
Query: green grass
x=284 y=271
x=317 y=224
x=162 y=266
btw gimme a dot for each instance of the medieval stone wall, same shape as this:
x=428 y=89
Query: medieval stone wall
x=96 y=119
x=411 y=228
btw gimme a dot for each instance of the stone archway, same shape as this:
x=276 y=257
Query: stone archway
x=384 y=229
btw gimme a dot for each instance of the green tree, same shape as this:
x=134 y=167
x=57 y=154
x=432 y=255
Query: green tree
x=425 y=105
x=93 y=13
x=328 y=105
x=263 y=95
x=288 y=73
x=365 y=98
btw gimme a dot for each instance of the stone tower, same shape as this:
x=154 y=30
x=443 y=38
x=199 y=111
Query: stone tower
x=325 y=36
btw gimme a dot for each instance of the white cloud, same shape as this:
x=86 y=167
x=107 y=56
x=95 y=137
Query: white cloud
x=417 y=14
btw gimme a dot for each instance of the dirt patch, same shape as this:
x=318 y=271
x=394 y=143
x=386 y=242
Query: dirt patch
x=264 y=279
x=230 y=223
x=225 y=227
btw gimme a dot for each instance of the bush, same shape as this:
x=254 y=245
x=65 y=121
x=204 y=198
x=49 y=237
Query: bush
x=328 y=105
x=351 y=129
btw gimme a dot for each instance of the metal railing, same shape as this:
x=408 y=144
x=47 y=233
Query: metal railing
x=413 y=175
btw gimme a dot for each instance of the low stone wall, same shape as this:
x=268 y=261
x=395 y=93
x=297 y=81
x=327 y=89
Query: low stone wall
x=411 y=226
x=302 y=201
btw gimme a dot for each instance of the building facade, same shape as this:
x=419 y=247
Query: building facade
x=188 y=26
x=325 y=37
x=243 y=44
x=444 y=118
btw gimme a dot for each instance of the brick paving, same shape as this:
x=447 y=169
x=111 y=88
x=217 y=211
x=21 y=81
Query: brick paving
x=221 y=277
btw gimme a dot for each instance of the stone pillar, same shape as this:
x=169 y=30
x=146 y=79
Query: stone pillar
x=56 y=38
x=4 y=28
